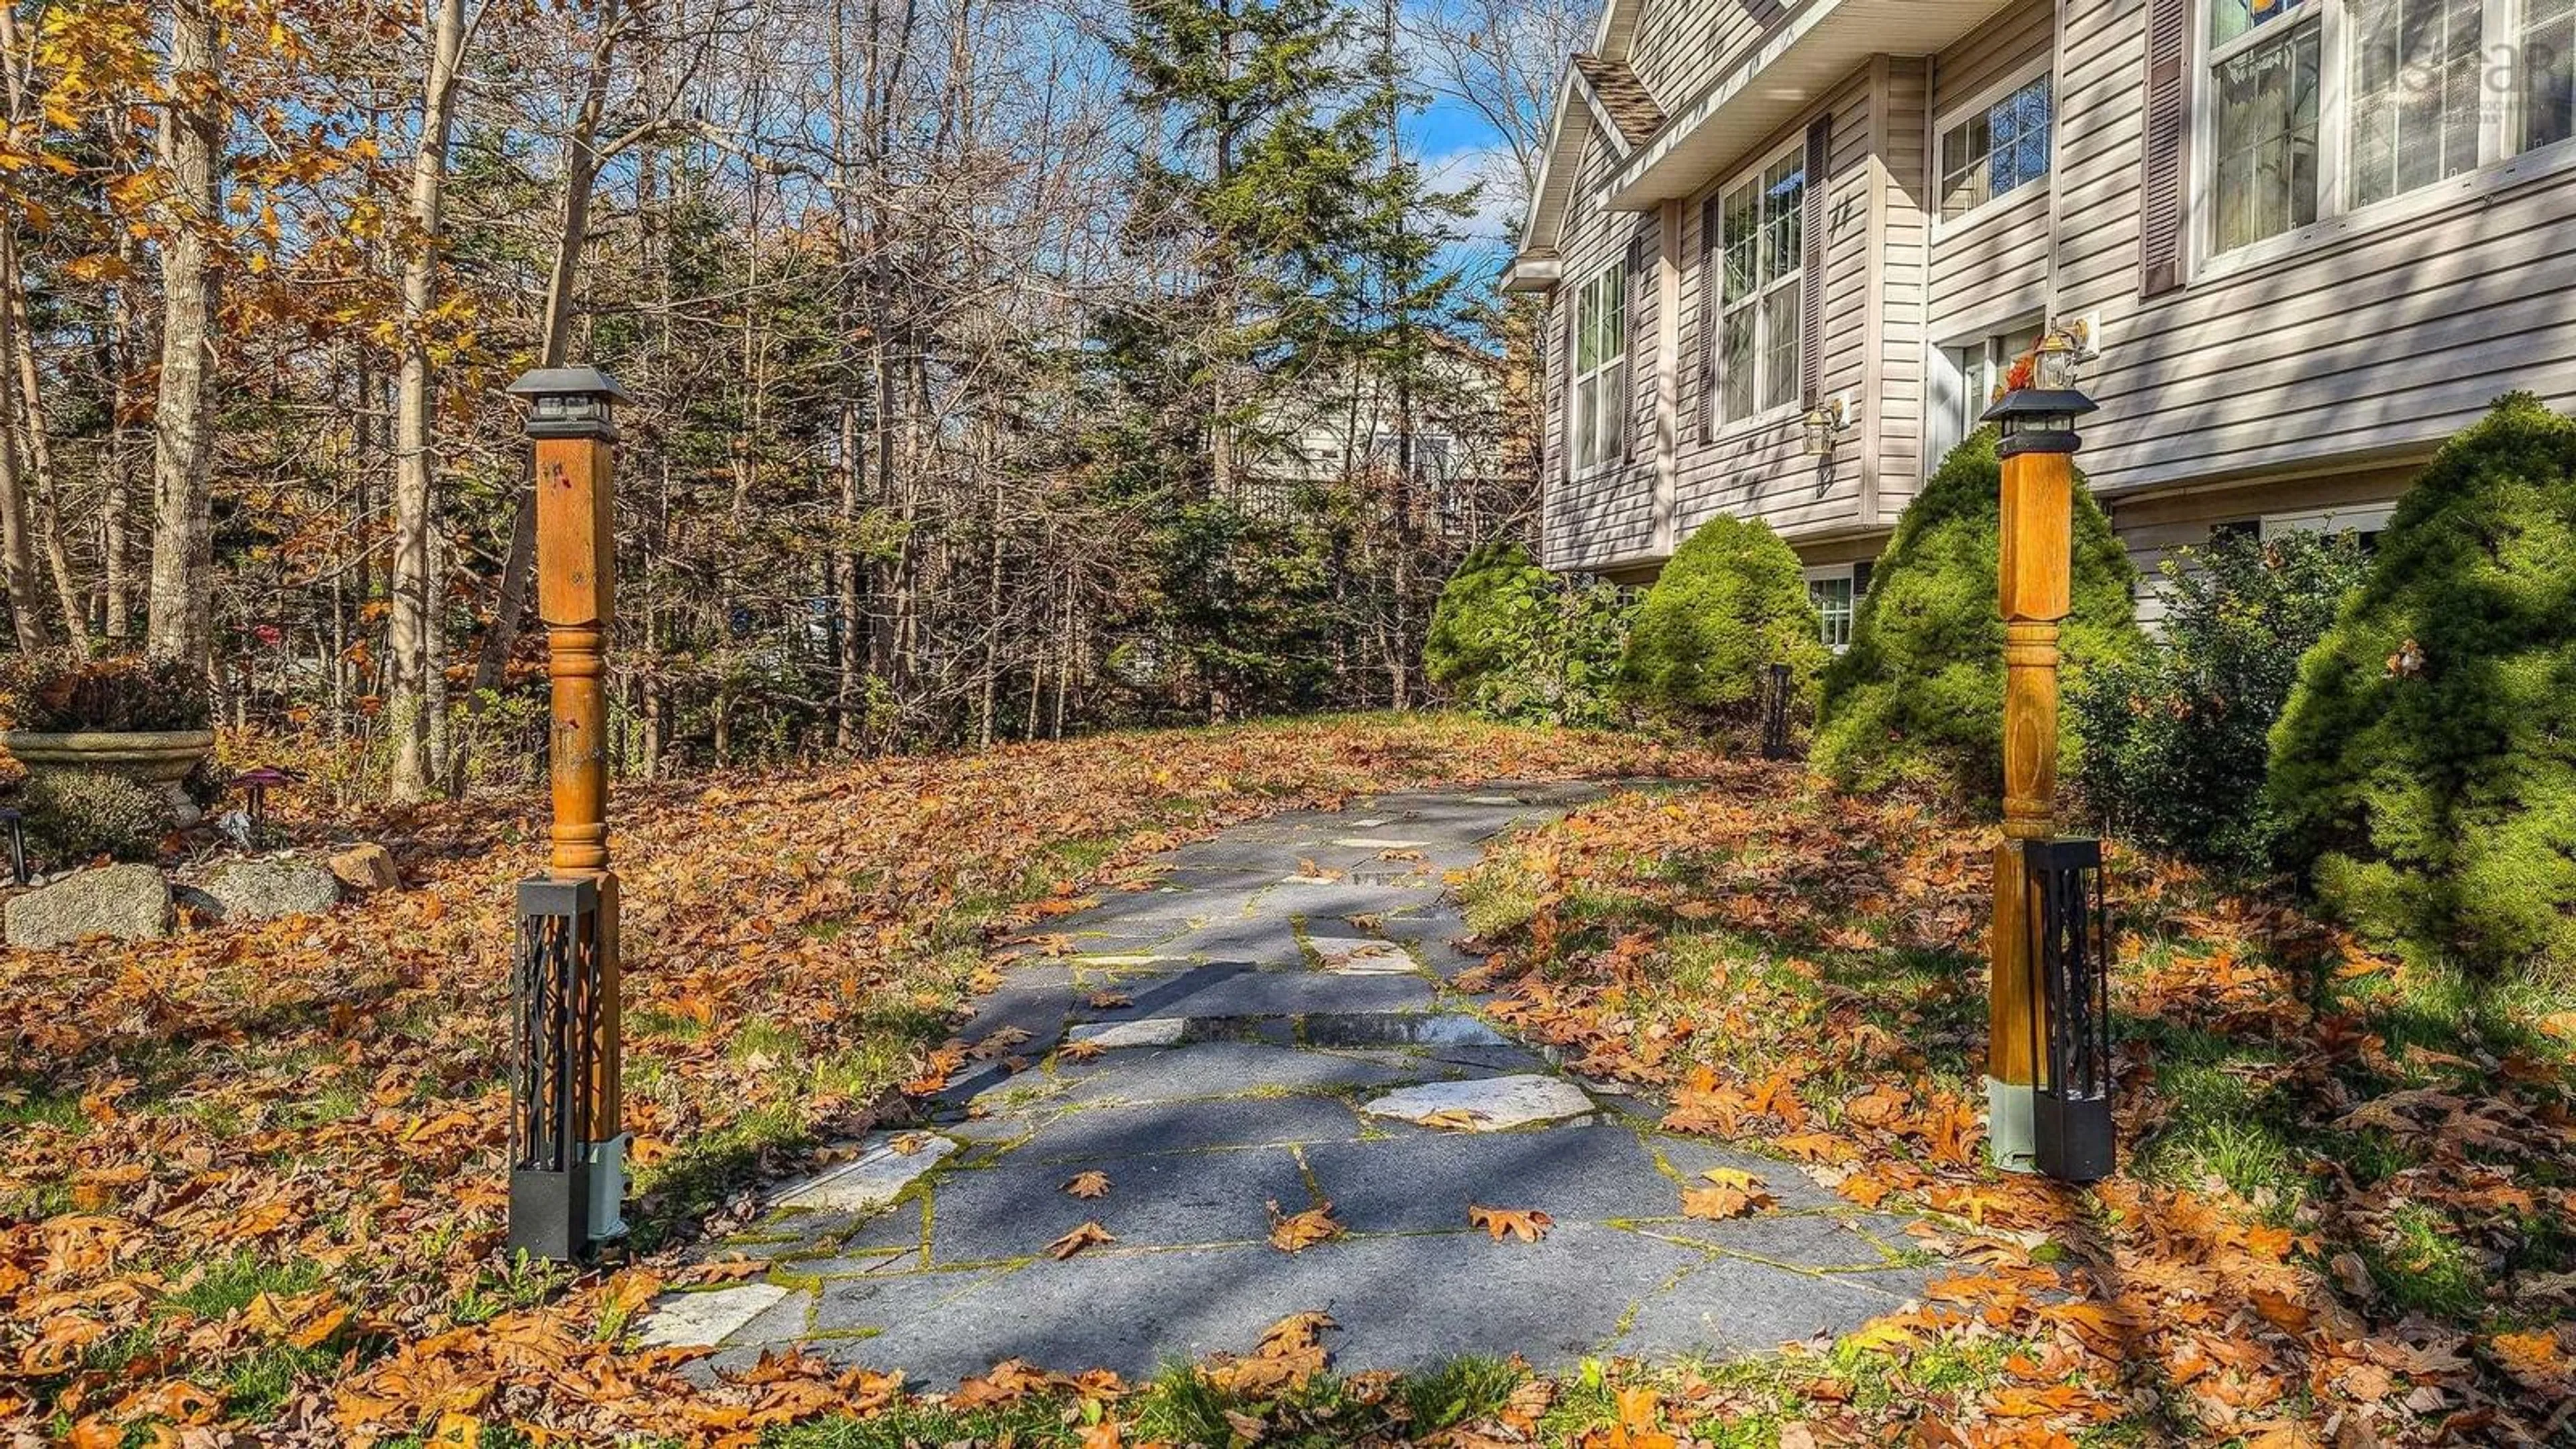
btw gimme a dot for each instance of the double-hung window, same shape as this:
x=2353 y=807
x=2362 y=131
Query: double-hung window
x=1761 y=258
x=1600 y=388
x=2546 y=49
x=1998 y=147
x=2319 y=107
x=2266 y=66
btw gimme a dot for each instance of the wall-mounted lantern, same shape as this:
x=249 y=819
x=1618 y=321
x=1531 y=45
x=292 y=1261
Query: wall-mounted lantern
x=1826 y=423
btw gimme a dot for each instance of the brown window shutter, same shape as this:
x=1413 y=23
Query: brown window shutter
x=1811 y=232
x=1712 y=308
x=2160 y=206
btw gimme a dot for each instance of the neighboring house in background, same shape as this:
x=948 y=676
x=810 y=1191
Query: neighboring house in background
x=1349 y=425
x=2310 y=239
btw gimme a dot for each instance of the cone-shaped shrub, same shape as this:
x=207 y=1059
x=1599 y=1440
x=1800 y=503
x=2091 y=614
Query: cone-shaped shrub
x=1918 y=699
x=1731 y=603
x=2426 y=766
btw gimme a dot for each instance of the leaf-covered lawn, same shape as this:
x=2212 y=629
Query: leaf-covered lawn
x=252 y=1179
x=2347 y=1206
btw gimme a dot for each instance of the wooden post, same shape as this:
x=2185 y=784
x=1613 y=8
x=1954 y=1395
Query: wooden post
x=2035 y=566
x=574 y=432
x=2035 y=587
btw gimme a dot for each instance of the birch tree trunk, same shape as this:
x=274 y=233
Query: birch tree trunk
x=415 y=415
x=180 y=616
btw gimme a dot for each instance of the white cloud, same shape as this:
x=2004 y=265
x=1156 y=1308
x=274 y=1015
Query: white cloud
x=1497 y=213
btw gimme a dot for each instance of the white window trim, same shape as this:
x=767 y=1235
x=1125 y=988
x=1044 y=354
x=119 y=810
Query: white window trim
x=2499 y=167
x=2345 y=518
x=1621 y=365
x=1828 y=573
x=1761 y=418
x=1947 y=121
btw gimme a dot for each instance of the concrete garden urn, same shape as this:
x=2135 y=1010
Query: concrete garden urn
x=154 y=757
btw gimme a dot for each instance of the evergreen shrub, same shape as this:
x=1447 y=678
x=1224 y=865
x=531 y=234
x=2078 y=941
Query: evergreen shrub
x=1918 y=698
x=2426 y=766
x=1731 y=603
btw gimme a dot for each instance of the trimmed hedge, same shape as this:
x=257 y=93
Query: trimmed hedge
x=1731 y=603
x=1511 y=641
x=1918 y=699
x=2426 y=766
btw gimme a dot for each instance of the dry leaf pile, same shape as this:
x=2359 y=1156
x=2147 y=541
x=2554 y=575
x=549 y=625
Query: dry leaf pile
x=316 y=1107
x=1807 y=972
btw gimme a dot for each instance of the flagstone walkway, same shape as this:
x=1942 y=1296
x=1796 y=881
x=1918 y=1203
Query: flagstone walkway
x=1268 y=1035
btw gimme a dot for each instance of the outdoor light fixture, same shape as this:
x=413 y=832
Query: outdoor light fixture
x=563 y=1200
x=2070 y=955
x=1775 y=714
x=1826 y=424
x=17 y=824
x=256 y=783
x=2041 y=417
x=567 y=1143
x=570 y=402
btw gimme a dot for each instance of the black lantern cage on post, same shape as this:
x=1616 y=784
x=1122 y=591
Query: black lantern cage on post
x=1775 y=713
x=556 y=999
x=2072 y=1134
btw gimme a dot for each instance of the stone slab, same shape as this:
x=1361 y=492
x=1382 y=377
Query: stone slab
x=1012 y=1211
x=702 y=1320
x=1152 y=1031
x=1822 y=1241
x=1361 y=955
x=1102 y=1132
x=1734 y=1306
x=1436 y=1030
x=1495 y=1104
x=881 y=1302
x=1236 y=991
x=1209 y=1070
x=1427 y=1183
x=1689 y=1157
x=871 y=1179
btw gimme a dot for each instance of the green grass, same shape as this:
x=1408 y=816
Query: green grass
x=909 y=1426
x=1458 y=1392
x=2423 y=1267
x=229 y=1285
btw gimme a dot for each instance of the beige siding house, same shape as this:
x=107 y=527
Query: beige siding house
x=2307 y=240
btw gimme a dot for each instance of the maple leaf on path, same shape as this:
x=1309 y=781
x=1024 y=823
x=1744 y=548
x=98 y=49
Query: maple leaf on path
x=1527 y=1224
x=1090 y=1234
x=1732 y=1193
x=1296 y=1232
x=1109 y=1000
x=1089 y=1184
x=1010 y=1381
x=1291 y=1352
x=1453 y=1119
